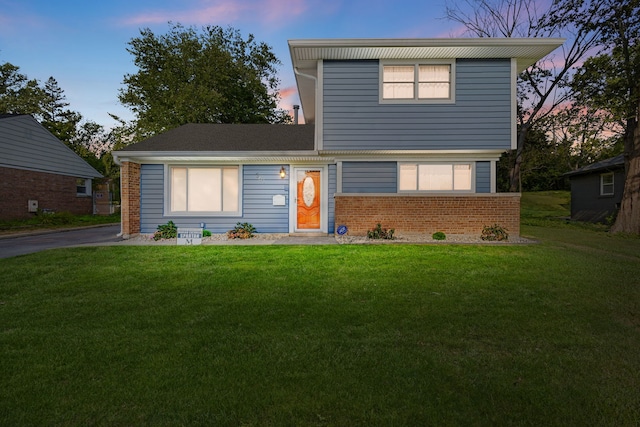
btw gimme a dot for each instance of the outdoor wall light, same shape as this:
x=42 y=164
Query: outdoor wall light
x=283 y=173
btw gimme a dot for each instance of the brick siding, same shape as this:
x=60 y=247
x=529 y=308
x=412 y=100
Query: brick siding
x=451 y=214
x=52 y=191
x=130 y=195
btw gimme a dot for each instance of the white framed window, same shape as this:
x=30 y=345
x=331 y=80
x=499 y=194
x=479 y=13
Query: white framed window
x=606 y=184
x=83 y=187
x=419 y=82
x=204 y=190
x=449 y=177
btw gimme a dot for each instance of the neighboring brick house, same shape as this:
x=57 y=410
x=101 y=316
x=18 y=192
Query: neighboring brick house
x=596 y=190
x=406 y=133
x=39 y=172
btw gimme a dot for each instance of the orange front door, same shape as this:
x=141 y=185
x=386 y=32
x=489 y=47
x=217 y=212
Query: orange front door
x=308 y=182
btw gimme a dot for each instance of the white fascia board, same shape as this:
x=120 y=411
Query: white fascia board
x=395 y=155
x=208 y=156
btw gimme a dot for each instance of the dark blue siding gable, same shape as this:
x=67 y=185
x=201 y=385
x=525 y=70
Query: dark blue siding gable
x=354 y=118
x=369 y=177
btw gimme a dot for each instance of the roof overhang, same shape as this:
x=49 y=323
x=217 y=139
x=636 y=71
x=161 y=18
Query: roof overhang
x=215 y=156
x=306 y=53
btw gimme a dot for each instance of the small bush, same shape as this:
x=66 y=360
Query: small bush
x=166 y=231
x=439 y=235
x=206 y=233
x=495 y=233
x=379 y=233
x=241 y=231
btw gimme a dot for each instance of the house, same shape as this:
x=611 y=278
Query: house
x=596 y=190
x=402 y=132
x=39 y=172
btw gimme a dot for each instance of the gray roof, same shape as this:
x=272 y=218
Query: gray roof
x=229 y=137
x=26 y=144
x=610 y=164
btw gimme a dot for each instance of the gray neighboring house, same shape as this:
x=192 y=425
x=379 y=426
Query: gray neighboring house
x=402 y=132
x=39 y=172
x=596 y=190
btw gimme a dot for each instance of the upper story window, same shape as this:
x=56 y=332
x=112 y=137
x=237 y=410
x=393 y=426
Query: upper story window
x=435 y=177
x=422 y=82
x=204 y=190
x=606 y=184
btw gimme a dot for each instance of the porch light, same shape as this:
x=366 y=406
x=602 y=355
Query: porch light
x=283 y=173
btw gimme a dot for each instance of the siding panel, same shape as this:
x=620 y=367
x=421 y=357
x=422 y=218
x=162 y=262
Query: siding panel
x=483 y=177
x=479 y=119
x=369 y=177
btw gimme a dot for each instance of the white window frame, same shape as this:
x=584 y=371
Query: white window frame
x=87 y=186
x=472 y=171
x=416 y=64
x=603 y=184
x=169 y=192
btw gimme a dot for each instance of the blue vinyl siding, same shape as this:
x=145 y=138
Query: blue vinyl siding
x=355 y=119
x=483 y=177
x=369 y=177
x=260 y=184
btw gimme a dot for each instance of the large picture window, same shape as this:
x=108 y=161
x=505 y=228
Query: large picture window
x=417 y=82
x=204 y=189
x=435 y=177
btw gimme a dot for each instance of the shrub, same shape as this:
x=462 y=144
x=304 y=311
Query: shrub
x=206 y=233
x=379 y=233
x=241 y=231
x=439 y=235
x=54 y=218
x=494 y=233
x=166 y=231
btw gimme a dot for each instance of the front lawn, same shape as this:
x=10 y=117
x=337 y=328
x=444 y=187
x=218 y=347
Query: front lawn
x=543 y=334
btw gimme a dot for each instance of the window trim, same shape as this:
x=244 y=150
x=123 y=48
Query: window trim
x=612 y=184
x=416 y=63
x=168 y=192
x=471 y=190
x=87 y=186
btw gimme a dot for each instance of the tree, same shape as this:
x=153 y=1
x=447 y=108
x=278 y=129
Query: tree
x=544 y=86
x=610 y=81
x=18 y=94
x=212 y=76
x=61 y=122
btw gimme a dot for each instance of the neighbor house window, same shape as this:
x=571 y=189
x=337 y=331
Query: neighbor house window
x=204 y=189
x=435 y=177
x=606 y=184
x=417 y=82
x=83 y=187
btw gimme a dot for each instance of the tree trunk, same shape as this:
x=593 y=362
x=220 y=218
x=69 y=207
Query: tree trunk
x=515 y=184
x=628 y=219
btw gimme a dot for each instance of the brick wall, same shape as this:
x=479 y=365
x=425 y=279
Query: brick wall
x=52 y=191
x=130 y=199
x=451 y=214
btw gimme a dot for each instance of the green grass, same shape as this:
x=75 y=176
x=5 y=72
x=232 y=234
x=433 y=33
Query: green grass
x=543 y=334
x=55 y=221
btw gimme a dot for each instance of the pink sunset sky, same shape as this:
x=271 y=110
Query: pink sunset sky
x=82 y=44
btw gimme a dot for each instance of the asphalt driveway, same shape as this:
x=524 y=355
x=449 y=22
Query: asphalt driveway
x=26 y=244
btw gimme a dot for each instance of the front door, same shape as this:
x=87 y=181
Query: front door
x=308 y=199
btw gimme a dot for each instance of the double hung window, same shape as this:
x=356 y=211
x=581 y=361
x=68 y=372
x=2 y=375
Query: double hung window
x=417 y=82
x=606 y=184
x=204 y=190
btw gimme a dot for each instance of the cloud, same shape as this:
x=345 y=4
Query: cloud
x=221 y=12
